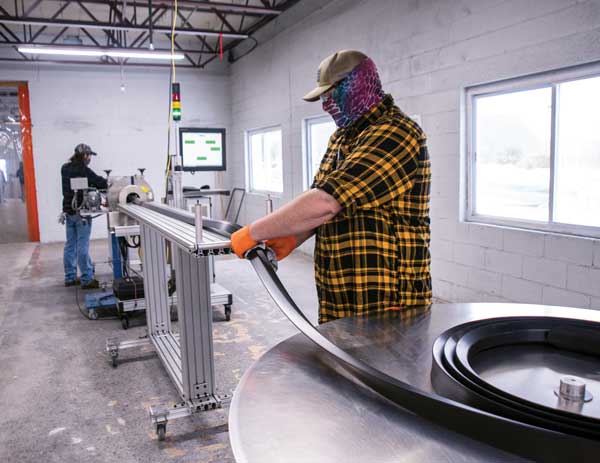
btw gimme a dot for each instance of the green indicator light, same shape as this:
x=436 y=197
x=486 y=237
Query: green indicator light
x=201 y=158
x=210 y=142
x=189 y=142
x=215 y=148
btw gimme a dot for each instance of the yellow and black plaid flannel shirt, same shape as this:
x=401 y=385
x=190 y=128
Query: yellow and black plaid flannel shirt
x=374 y=255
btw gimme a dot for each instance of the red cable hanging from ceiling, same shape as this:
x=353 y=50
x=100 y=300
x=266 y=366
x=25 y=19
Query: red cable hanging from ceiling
x=221 y=46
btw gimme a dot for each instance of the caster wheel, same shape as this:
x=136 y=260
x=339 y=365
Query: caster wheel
x=114 y=361
x=161 y=431
x=93 y=314
x=228 y=312
x=125 y=322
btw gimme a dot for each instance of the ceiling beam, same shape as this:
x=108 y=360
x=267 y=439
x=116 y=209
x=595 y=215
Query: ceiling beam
x=96 y=63
x=108 y=32
x=115 y=27
x=204 y=6
x=224 y=21
x=224 y=7
x=251 y=30
x=148 y=20
x=32 y=7
x=59 y=35
x=54 y=16
x=187 y=23
x=99 y=45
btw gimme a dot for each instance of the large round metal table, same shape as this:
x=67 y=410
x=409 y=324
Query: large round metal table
x=295 y=404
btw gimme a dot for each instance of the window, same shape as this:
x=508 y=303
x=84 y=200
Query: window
x=534 y=152
x=265 y=170
x=317 y=133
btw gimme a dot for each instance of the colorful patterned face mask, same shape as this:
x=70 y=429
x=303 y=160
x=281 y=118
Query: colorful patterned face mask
x=354 y=95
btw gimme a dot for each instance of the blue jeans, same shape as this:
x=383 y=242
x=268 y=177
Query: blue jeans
x=77 y=249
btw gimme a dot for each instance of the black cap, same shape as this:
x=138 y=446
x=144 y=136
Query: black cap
x=82 y=148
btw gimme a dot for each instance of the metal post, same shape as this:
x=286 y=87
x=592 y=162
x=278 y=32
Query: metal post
x=198 y=222
x=188 y=356
x=155 y=281
x=176 y=176
x=195 y=324
x=269 y=203
x=150 y=24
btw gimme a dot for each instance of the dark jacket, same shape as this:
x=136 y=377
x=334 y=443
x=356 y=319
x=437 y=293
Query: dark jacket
x=78 y=169
x=20 y=174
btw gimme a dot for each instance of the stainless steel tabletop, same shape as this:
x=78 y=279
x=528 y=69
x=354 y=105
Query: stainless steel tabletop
x=295 y=404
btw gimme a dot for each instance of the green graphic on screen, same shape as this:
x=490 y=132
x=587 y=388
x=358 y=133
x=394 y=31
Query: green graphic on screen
x=200 y=149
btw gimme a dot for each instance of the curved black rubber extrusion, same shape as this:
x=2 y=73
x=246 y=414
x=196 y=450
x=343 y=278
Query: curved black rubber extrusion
x=531 y=442
x=496 y=333
x=528 y=441
x=580 y=340
x=460 y=384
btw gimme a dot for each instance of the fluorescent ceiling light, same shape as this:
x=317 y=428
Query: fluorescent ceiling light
x=59 y=51
x=99 y=52
x=142 y=54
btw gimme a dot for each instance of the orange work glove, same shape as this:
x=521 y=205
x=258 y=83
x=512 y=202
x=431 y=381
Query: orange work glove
x=242 y=242
x=282 y=246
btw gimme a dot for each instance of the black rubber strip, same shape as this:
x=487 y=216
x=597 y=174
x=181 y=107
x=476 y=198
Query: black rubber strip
x=528 y=441
x=460 y=343
x=535 y=443
x=575 y=339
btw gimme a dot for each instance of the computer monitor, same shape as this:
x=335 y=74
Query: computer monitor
x=202 y=149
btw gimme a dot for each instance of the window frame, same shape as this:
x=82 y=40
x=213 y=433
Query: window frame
x=249 y=182
x=307 y=122
x=549 y=79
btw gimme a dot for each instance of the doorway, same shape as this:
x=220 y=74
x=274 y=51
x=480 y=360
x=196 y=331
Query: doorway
x=18 y=202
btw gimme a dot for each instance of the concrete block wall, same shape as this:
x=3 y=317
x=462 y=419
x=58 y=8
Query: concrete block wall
x=517 y=265
x=427 y=53
x=74 y=104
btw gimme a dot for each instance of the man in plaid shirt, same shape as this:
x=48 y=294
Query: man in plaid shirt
x=368 y=205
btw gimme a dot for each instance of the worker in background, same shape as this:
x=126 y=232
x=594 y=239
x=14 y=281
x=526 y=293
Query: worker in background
x=77 y=246
x=368 y=206
x=21 y=176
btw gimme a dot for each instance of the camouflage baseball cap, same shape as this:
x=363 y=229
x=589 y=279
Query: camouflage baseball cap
x=82 y=148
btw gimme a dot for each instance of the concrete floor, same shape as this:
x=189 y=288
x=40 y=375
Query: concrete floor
x=63 y=402
x=13 y=221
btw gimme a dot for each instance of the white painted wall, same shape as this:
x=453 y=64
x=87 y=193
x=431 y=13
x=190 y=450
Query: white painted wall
x=75 y=104
x=427 y=52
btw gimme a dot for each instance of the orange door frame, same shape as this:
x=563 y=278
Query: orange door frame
x=33 y=226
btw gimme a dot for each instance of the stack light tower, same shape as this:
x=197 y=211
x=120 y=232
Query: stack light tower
x=175 y=101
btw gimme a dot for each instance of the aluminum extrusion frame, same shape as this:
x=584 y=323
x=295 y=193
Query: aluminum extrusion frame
x=187 y=357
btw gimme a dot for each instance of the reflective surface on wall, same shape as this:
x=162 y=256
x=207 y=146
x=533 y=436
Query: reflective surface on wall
x=13 y=214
